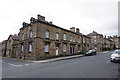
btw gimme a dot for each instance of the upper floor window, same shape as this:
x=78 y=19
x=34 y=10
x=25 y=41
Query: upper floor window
x=30 y=47
x=71 y=37
x=83 y=40
x=46 y=48
x=30 y=34
x=57 y=36
x=94 y=40
x=78 y=39
x=64 y=36
x=23 y=36
x=47 y=34
x=94 y=36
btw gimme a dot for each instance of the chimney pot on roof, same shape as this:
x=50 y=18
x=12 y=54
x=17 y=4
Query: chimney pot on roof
x=72 y=29
x=41 y=17
x=105 y=36
x=51 y=22
x=32 y=20
x=25 y=24
x=77 y=30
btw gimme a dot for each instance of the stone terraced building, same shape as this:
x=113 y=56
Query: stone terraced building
x=41 y=39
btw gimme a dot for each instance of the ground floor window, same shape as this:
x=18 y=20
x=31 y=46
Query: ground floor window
x=22 y=48
x=78 y=48
x=30 y=47
x=46 y=48
x=64 y=47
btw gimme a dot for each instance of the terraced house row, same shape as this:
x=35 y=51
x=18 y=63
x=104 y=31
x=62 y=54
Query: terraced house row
x=40 y=39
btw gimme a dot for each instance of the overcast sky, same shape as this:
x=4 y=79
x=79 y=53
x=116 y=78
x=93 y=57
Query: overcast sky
x=88 y=15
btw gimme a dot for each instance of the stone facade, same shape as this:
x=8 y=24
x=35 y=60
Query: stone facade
x=116 y=41
x=99 y=42
x=12 y=46
x=3 y=49
x=96 y=40
x=41 y=39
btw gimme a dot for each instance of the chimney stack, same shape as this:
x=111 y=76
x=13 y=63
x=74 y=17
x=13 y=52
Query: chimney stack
x=105 y=36
x=51 y=22
x=41 y=17
x=25 y=24
x=77 y=30
x=72 y=29
x=32 y=20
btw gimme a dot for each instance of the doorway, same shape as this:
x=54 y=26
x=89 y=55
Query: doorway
x=57 y=51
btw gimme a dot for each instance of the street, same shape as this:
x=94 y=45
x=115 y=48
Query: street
x=97 y=66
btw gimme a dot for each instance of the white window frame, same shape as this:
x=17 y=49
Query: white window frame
x=78 y=39
x=83 y=40
x=23 y=36
x=30 y=34
x=30 y=47
x=57 y=36
x=22 y=48
x=47 y=34
x=94 y=36
x=64 y=48
x=71 y=37
x=46 y=48
x=64 y=36
x=95 y=40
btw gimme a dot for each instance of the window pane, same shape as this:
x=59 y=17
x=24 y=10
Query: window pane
x=46 y=48
x=23 y=36
x=64 y=48
x=30 y=47
x=64 y=36
x=30 y=34
x=47 y=34
x=57 y=36
x=71 y=38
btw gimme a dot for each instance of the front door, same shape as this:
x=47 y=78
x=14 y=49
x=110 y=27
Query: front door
x=72 y=49
x=57 y=51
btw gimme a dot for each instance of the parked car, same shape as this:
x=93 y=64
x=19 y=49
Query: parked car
x=90 y=52
x=115 y=57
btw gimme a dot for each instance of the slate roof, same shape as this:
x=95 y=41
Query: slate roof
x=94 y=33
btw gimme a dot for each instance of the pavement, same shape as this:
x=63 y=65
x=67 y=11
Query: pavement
x=96 y=66
x=55 y=59
x=63 y=58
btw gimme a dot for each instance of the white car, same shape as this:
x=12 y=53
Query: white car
x=115 y=57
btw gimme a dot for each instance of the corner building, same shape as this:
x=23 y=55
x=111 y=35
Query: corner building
x=41 y=39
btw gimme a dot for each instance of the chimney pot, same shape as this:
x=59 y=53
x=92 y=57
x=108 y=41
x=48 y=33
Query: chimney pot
x=51 y=22
x=72 y=29
x=40 y=17
x=77 y=30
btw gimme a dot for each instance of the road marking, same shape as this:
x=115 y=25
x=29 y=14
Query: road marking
x=26 y=64
x=15 y=65
x=2 y=62
x=108 y=61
